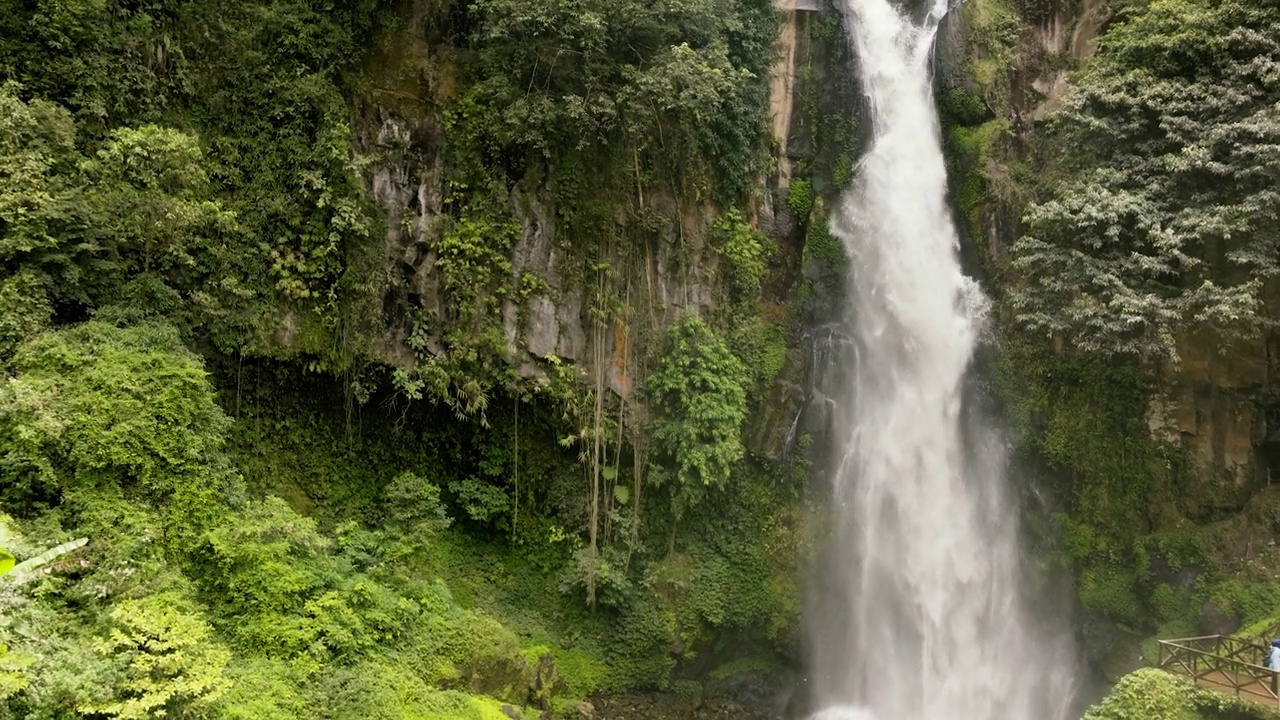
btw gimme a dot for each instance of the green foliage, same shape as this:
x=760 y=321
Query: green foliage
x=700 y=401
x=995 y=27
x=24 y=310
x=1042 y=10
x=961 y=107
x=1087 y=418
x=472 y=256
x=761 y=345
x=12 y=677
x=842 y=172
x=825 y=28
x=483 y=495
x=1173 y=604
x=37 y=145
x=1148 y=693
x=584 y=673
x=639 y=654
x=971 y=152
x=745 y=249
x=714 y=597
x=800 y=198
x=132 y=398
x=1249 y=599
x=385 y=691
x=612 y=586
x=680 y=83
x=1158 y=695
x=1112 y=591
x=1162 y=220
x=263 y=689
x=171 y=668
x=257 y=84
x=302 y=608
x=82 y=226
x=184 y=176
x=482 y=502
x=762 y=348
x=267 y=565
x=820 y=246
x=414 y=502
x=96 y=404
x=152 y=180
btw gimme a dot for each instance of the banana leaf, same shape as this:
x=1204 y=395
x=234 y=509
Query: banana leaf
x=25 y=569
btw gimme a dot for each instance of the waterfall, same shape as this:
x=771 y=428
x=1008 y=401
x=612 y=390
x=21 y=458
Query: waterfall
x=924 y=614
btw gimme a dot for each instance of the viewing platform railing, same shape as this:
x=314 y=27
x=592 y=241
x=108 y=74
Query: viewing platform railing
x=1225 y=664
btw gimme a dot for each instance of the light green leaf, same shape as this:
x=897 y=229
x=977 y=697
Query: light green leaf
x=25 y=569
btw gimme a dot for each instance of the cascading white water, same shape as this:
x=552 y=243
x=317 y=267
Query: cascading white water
x=924 y=617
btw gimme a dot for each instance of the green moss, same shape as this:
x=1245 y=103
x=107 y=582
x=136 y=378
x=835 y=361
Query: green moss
x=805 y=290
x=1252 y=601
x=637 y=655
x=959 y=107
x=1171 y=604
x=584 y=673
x=971 y=152
x=994 y=31
x=1114 y=592
x=687 y=688
x=842 y=170
x=1086 y=417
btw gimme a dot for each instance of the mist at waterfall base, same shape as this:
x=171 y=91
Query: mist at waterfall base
x=922 y=612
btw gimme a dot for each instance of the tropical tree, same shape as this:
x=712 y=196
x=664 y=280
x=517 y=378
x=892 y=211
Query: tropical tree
x=700 y=402
x=1164 y=214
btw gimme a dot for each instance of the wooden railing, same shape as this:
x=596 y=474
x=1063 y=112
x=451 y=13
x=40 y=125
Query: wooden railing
x=1226 y=664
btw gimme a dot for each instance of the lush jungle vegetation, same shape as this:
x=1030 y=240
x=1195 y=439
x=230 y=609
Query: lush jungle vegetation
x=1128 y=227
x=250 y=469
x=228 y=503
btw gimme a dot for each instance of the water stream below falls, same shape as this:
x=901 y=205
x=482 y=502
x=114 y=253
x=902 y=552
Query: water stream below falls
x=923 y=614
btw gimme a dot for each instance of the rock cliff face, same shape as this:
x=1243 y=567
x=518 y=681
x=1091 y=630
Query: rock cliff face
x=1219 y=403
x=1070 y=33
x=401 y=127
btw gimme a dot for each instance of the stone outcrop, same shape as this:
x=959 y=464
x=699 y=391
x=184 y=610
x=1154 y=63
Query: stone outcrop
x=401 y=126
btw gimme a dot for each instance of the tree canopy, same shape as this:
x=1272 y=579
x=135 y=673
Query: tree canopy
x=1165 y=209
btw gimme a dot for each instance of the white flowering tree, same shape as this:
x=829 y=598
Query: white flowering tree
x=1164 y=211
